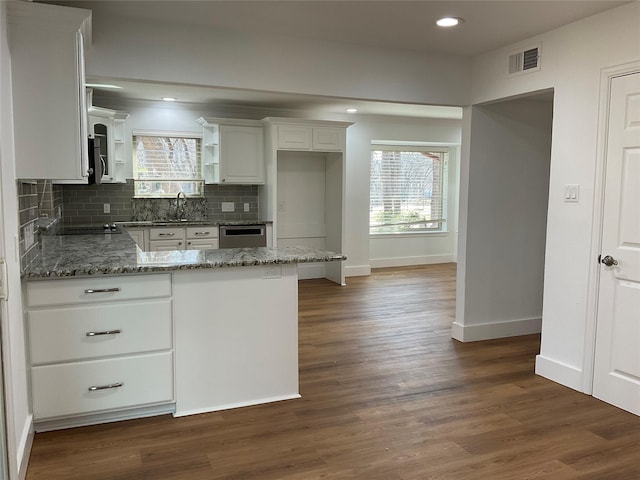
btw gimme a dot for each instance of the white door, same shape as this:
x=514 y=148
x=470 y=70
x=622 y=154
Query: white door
x=617 y=359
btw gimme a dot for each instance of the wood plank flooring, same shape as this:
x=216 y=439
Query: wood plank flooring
x=386 y=395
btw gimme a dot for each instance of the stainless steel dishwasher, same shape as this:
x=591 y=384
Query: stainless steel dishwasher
x=239 y=236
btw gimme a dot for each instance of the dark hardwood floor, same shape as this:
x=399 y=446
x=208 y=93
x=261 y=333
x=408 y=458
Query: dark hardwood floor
x=386 y=395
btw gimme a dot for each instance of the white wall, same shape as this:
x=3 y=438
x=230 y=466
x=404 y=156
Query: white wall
x=361 y=251
x=571 y=63
x=500 y=274
x=199 y=55
x=18 y=415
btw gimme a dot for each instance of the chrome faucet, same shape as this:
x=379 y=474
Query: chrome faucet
x=180 y=205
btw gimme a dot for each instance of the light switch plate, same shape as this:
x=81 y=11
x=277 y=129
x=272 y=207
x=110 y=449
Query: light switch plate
x=227 y=207
x=572 y=193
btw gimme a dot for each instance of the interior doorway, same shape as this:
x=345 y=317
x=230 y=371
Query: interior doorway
x=504 y=196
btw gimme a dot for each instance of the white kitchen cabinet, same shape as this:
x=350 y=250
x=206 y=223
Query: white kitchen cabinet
x=178 y=238
x=306 y=167
x=328 y=139
x=232 y=151
x=47 y=71
x=163 y=239
x=139 y=236
x=309 y=137
x=101 y=348
x=294 y=137
x=202 y=238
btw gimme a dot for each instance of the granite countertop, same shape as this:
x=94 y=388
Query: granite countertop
x=189 y=223
x=73 y=255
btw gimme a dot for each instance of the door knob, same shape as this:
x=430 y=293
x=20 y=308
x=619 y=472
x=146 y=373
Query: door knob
x=609 y=261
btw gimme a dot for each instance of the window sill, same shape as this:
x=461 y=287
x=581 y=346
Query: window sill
x=407 y=235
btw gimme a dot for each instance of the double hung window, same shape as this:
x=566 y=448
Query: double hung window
x=408 y=189
x=166 y=164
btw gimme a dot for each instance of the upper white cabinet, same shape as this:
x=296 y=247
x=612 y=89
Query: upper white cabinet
x=49 y=110
x=309 y=137
x=232 y=151
x=108 y=126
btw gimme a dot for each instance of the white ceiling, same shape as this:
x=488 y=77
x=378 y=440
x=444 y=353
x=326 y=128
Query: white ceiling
x=381 y=23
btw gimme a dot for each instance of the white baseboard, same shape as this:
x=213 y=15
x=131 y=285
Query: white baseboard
x=408 y=261
x=357 y=271
x=489 y=331
x=108 y=417
x=229 y=406
x=24 y=448
x=559 y=372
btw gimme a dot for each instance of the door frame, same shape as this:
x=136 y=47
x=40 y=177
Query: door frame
x=606 y=77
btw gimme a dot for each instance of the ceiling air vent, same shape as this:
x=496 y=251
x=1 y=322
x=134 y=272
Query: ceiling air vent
x=524 y=61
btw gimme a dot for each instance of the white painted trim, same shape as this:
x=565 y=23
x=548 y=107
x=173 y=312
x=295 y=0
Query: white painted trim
x=229 y=406
x=308 y=271
x=489 y=331
x=96 y=419
x=588 y=359
x=407 y=261
x=559 y=372
x=357 y=271
x=24 y=447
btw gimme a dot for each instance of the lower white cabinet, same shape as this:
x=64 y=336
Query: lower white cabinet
x=177 y=238
x=139 y=236
x=99 y=346
x=99 y=385
x=202 y=238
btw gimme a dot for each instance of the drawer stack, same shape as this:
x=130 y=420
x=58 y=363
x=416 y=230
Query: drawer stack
x=100 y=344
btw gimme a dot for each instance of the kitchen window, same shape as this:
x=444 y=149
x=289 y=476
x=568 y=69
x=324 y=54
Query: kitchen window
x=165 y=164
x=408 y=189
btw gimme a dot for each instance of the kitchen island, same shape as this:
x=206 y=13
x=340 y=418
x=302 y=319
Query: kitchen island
x=115 y=332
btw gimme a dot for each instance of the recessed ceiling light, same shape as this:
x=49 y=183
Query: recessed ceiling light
x=169 y=99
x=352 y=110
x=103 y=85
x=448 y=21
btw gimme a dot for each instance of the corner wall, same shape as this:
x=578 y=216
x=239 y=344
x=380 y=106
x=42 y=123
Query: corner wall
x=572 y=60
x=500 y=273
x=18 y=414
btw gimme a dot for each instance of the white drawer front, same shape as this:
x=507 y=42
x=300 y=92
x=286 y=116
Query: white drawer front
x=195 y=233
x=170 y=233
x=97 y=289
x=60 y=334
x=203 y=244
x=62 y=390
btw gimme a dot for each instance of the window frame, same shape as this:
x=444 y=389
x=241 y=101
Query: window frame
x=197 y=182
x=421 y=147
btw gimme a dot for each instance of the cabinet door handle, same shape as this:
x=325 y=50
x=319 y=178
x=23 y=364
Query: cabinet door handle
x=105 y=332
x=95 y=388
x=166 y=234
x=201 y=233
x=102 y=290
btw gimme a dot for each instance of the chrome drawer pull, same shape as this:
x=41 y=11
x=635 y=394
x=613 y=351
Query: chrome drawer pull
x=106 y=332
x=102 y=290
x=105 y=387
x=166 y=234
x=201 y=233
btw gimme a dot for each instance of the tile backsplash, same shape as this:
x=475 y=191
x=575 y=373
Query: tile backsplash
x=27 y=216
x=84 y=204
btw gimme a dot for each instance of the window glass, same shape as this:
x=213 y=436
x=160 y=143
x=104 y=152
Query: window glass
x=166 y=165
x=407 y=191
